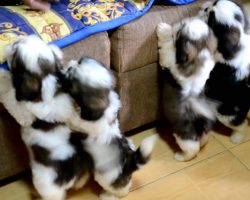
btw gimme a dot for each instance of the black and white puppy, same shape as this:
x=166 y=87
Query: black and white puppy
x=113 y=155
x=57 y=159
x=189 y=113
x=229 y=83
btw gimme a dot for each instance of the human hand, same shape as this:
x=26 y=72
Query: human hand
x=38 y=4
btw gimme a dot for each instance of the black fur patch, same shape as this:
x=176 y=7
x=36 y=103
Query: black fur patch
x=45 y=126
x=228 y=37
x=232 y=94
x=27 y=85
x=130 y=160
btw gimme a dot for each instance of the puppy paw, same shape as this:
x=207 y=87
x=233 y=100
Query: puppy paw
x=237 y=137
x=164 y=31
x=180 y=157
x=107 y=196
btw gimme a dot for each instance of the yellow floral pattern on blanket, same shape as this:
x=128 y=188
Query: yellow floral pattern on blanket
x=99 y=11
x=8 y=34
x=48 y=25
x=42 y=21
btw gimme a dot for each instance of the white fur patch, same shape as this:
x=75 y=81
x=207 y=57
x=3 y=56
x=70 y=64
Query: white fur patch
x=108 y=169
x=8 y=54
x=57 y=51
x=195 y=29
x=203 y=107
x=49 y=87
x=239 y=132
x=46 y=186
x=112 y=193
x=59 y=109
x=107 y=196
x=92 y=73
x=167 y=50
x=225 y=12
x=190 y=148
x=31 y=48
x=147 y=145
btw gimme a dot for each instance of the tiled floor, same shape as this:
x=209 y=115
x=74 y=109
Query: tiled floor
x=220 y=172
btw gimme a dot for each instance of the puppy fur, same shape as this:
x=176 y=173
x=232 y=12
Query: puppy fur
x=230 y=76
x=97 y=97
x=186 y=109
x=55 y=152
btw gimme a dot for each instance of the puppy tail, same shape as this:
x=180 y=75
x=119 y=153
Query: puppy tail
x=144 y=151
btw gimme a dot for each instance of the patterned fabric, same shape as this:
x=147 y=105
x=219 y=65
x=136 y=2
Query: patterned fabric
x=76 y=18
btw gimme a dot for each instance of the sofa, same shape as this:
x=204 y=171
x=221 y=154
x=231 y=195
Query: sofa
x=131 y=52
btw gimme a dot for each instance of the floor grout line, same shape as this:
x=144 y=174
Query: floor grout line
x=175 y=172
x=230 y=148
x=239 y=160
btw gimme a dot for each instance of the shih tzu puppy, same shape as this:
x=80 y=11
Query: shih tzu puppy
x=56 y=158
x=188 y=111
x=113 y=156
x=79 y=99
x=229 y=82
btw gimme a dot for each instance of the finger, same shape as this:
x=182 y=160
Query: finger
x=37 y=4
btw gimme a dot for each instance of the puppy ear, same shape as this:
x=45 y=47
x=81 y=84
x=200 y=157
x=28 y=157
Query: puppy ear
x=46 y=66
x=212 y=42
x=27 y=87
x=191 y=52
x=185 y=52
x=94 y=105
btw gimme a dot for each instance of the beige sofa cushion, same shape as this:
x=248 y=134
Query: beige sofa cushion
x=96 y=46
x=134 y=45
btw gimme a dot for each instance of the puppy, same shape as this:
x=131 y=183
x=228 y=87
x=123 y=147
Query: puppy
x=185 y=107
x=113 y=155
x=229 y=81
x=57 y=159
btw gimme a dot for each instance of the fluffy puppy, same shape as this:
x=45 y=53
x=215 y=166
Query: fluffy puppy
x=113 y=155
x=184 y=106
x=57 y=159
x=229 y=81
